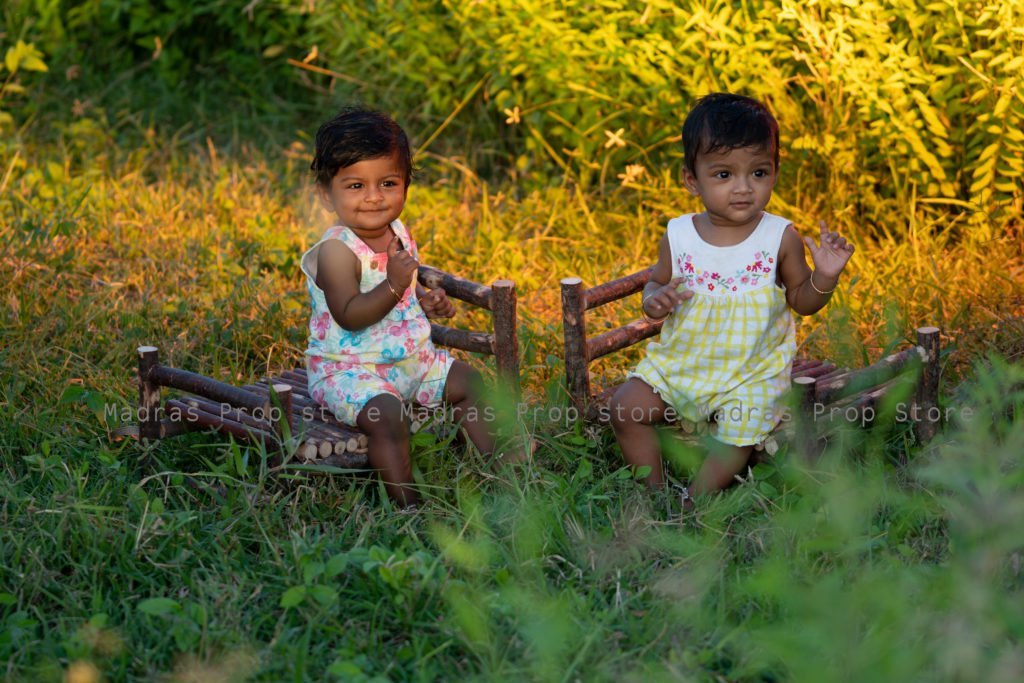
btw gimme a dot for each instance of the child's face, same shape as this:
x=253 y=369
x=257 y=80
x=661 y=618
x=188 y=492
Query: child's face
x=367 y=195
x=734 y=184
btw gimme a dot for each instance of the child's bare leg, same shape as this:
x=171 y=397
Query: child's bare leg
x=387 y=430
x=461 y=393
x=721 y=465
x=634 y=410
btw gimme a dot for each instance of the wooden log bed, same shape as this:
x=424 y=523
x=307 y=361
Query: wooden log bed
x=278 y=413
x=821 y=386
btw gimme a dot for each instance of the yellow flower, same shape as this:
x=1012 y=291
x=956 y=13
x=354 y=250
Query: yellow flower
x=633 y=171
x=513 y=115
x=615 y=139
x=82 y=672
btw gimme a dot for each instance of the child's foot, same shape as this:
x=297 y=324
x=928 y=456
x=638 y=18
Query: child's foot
x=517 y=455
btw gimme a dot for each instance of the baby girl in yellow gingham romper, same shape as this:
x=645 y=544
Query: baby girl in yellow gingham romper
x=724 y=283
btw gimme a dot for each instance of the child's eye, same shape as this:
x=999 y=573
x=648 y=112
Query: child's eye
x=760 y=173
x=389 y=183
x=722 y=175
x=355 y=186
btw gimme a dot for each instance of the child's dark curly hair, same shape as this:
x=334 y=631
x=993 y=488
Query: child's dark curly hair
x=356 y=134
x=727 y=121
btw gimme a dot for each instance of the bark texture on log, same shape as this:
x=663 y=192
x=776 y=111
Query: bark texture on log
x=927 y=396
x=506 y=337
x=617 y=289
x=455 y=286
x=574 y=329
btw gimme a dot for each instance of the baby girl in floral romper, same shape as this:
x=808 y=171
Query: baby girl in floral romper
x=369 y=345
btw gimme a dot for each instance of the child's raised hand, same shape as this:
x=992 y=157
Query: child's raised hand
x=832 y=255
x=436 y=304
x=401 y=265
x=664 y=299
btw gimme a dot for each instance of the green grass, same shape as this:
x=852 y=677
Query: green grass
x=190 y=560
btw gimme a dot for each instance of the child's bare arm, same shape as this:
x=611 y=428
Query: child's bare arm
x=661 y=293
x=808 y=292
x=338 y=276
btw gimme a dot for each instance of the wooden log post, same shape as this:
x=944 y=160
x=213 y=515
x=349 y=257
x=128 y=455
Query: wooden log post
x=149 y=394
x=926 y=399
x=577 y=376
x=506 y=338
x=806 y=429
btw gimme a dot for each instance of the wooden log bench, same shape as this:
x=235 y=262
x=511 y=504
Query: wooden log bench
x=278 y=412
x=822 y=387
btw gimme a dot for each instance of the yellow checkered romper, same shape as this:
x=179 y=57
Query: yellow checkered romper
x=728 y=351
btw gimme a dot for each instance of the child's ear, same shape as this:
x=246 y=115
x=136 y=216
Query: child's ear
x=324 y=193
x=690 y=181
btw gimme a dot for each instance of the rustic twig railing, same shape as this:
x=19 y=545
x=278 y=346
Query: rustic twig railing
x=821 y=386
x=279 y=413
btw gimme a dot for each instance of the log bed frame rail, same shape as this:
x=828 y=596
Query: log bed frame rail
x=277 y=410
x=817 y=383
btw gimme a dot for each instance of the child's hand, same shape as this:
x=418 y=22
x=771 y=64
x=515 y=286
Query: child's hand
x=666 y=298
x=401 y=265
x=436 y=304
x=831 y=257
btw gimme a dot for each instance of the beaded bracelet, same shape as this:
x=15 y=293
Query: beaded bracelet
x=818 y=290
x=644 y=312
x=398 y=297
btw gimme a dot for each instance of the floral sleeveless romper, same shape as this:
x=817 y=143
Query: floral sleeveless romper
x=393 y=356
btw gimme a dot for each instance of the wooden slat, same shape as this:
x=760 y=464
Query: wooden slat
x=616 y=289
x=456 y=287
x=205 y=386
x=620 y=338
x=198 y=418
x=865 y=378
x=467 y=340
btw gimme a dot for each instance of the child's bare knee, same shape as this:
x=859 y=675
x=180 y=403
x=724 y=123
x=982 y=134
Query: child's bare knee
x=384 y=415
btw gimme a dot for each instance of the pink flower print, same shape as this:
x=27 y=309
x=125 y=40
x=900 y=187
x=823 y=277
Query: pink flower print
x=318 y=395
x=395 y=330
x=711 y=286
x=757 y=265
x=744 y=279
x=410 y=344
x=734 y=288
x=321 y=324
x=714 y=276
x=700 y=280
x=771 y=260
x=314 y=364
x=729 y=282
x=423 y=398
x=748 y=267
x=689 y=266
